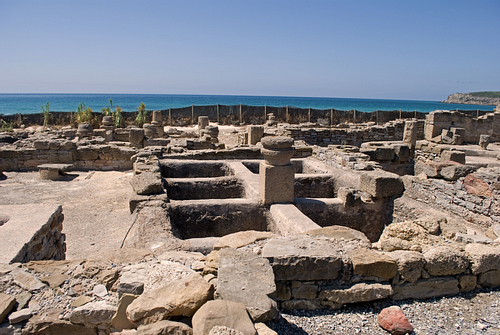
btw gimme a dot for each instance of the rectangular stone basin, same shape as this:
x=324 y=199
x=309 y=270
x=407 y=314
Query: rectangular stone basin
x=215 y=218
x=193 y=169
x=204 y=188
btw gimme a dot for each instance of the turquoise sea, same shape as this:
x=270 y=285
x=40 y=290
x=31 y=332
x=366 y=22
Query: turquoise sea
x=32 y=103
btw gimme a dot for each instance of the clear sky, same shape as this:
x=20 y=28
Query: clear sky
x=422 y=50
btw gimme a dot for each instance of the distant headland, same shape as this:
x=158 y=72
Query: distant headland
x=490 y=98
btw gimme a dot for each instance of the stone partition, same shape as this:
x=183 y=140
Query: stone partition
x=31 y=232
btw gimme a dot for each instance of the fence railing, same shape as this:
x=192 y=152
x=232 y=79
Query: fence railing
x=243 y=114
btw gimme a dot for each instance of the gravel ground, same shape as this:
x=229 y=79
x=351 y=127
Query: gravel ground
x=476 y=312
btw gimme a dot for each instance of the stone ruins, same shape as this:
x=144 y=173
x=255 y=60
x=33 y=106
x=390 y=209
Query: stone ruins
x=232 y=226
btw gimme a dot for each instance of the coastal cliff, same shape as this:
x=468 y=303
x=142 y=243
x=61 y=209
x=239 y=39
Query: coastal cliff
x=475 y=98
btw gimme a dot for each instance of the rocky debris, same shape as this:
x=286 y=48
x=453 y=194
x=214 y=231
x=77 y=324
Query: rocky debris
x=20 y=316
x=119 y=319
x=229 y=314
x=406 y=235
x=27 y=281
x=394 y=321
x=6 y=305
x=181 y=297
x=93 y=315
x=165 y=327
x=245 y=278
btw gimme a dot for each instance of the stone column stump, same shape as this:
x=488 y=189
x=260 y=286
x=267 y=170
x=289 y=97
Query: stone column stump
x=136 y=137
x=255 y=134
x=203 y=122
x=158 y=123
x=276 y=173
x=484 y=141
x=410 y=134
x=85 y=130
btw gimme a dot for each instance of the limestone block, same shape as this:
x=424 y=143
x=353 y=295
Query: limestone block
x=341 y=233
x=476 y=186
x=302 y=258
x=262 y=329
x=489 y=279
x=180 y=297
x=240 y=239
x=276 y=183
x=146 y=183
x=255 y=134
x=51 y=324
x=394 y=321
x=360 y=292
x=290 y=220
x=203 y=122
x=165 y=327
x=410 y=264
x=20 y=316
x=245 y=278
x=455 y=172
x=283 y=292
x=381 y=184
x=307 y=292
x=7 y=303
x=93 y=314
x=467 y=283
x=454 y=156
x=427 y=288
x=302 y=304
x=482 y=257
x=28 y=282
x=370 y=263
x=222 y=313
x=136 y=137
x=401 y=153
x=445 y=261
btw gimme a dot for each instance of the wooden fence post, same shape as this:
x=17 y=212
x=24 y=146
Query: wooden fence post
x=354 y=115
x=240 y=113
x=331 y=117
x=192 y=114
x=170 y=115
x=309 y=115
x=265 y=113
x=217 y=112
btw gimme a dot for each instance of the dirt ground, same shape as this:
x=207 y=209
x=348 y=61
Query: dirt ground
x=95 y=206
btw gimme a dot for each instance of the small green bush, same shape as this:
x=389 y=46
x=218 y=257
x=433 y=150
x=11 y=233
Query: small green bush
x=46 y=115
x=83 y=114
x=142 y=113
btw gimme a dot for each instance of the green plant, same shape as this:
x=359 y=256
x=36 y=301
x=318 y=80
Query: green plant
x=46 y=115
x=108 y=110
x=142 y=113
x=83 y=114
x=8 y=127
x=343 y=143
x=118 y=117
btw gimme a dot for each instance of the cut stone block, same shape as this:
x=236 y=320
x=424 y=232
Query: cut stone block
x=370 y=263
x=380 y=184
x=244 y=278
x=276 y=183
x=454 y=156
x=427 y=288
x=302 y=258
x=360 y=292
x=290 y=220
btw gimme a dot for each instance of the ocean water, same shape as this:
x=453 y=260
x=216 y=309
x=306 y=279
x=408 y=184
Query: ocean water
x=32 y=103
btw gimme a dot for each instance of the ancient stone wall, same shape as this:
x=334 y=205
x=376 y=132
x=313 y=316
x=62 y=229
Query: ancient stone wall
x=488 y=124
x=88 y=157
x=349 y=135
x=475 y=197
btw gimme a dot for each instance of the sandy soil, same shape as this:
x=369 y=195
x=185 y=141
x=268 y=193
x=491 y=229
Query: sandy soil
x=95 y=206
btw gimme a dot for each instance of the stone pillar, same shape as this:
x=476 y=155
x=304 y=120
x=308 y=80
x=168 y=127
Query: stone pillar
x=149 y=130
x=202 y=122
x=276 y=173
x=136 y=137
x=255 y=134
x=85 y=130
x=109 y=125
x=271 y=122
x=484 y=140
x=158 y=123
x=211 y=133
x=410 y=134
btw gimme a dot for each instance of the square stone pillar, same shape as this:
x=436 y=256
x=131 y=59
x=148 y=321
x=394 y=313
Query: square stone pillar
x=255 y=134
x=276 y=183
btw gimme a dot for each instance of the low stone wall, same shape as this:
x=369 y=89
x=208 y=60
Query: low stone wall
x=32 y=232
x=350 y=135
x=488 y=124
x=83 y=157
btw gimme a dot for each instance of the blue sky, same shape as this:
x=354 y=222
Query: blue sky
x=422 y=50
